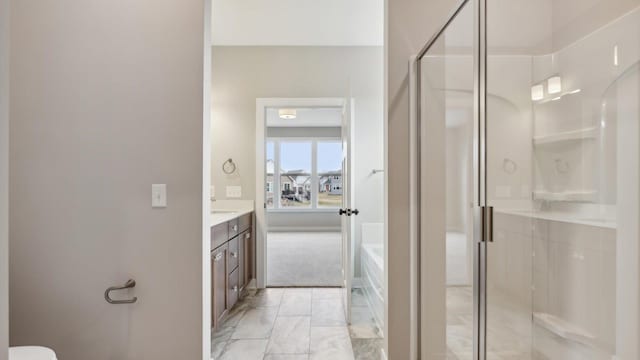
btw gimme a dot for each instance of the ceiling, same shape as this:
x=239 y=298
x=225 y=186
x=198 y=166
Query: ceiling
x=298 y=22
x=307 y=117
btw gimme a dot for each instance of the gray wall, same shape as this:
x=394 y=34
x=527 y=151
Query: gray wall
x=303 y=221
x=106 y=99
x=410 y=23
x=4 y=178
x=243 y=74
x=304 y=132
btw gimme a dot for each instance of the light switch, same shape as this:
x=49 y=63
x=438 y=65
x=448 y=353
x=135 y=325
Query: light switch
x=234 y=191
x=158 y=195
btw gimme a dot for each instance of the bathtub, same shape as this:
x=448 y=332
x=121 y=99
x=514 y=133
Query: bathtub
x=372 y=269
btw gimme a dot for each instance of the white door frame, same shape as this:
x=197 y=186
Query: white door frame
x=262 y=104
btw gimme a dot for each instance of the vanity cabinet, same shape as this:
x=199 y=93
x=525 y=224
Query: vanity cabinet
x=232 y=263
x=218 y=282
x=249 y=259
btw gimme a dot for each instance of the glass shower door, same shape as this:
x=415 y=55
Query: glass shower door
x=563 y=178
x=445 y=125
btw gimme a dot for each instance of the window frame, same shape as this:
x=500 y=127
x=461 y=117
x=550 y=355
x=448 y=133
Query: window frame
x=277 y=190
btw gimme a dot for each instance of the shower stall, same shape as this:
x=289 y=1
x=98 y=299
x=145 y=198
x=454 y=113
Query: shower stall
x=527 y=171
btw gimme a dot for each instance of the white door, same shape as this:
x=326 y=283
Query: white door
x=348 y=210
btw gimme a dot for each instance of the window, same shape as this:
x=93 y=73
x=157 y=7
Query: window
x=303 y=174
x=329 y=174
x=295 y=173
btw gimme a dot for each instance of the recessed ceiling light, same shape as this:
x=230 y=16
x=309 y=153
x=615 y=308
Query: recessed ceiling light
x=287 y=114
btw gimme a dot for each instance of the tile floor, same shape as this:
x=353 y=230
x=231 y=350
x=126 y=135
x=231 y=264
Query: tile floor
x=508 y=327
x=304 y=259
x=297 y=323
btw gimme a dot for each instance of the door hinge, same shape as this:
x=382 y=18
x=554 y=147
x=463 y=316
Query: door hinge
x=487 y=223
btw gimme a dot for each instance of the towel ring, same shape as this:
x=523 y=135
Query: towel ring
x=229 y=167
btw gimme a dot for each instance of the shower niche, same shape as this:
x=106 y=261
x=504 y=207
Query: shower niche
x=565 y=144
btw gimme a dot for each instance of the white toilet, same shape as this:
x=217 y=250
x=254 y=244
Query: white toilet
x=31 y=353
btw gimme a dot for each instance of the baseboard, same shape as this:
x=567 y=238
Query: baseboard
x=304 y=229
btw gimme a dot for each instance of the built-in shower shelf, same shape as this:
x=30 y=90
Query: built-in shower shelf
x=574 y=135
x=563 y=328
x=580 y=196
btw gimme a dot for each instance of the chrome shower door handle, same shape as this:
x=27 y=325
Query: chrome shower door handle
x=129 y=285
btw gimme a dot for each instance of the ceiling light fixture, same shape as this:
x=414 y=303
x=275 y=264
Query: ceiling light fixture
x=287 y=114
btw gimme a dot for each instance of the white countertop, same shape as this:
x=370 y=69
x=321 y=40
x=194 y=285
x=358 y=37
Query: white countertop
x=562 y=217
x=225 y=210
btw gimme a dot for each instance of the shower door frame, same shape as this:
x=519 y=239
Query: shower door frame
x=482 y=214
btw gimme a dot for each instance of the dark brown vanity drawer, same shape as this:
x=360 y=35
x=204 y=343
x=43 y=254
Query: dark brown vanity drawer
x=219 y=278
x=219 y=235
x=244 y=222
x=233 y=290
x=233 y=228
x=234 y=255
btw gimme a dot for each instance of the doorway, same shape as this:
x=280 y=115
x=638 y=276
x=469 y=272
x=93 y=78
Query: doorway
x=302 y=186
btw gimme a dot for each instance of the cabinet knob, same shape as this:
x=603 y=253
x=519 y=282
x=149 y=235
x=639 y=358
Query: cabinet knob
x=218 y=257
x=235 y=289
x=235 y=228
x=234 y=255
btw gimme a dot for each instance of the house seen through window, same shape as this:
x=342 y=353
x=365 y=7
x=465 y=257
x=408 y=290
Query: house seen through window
x=300 y=180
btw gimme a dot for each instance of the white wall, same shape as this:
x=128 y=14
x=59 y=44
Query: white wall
x=4 y=178
x=242 y=74
x=106 y=99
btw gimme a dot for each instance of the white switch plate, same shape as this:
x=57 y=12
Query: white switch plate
x=234 y=191
x=158 y=195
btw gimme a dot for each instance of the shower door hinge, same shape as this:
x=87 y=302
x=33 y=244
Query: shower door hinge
x=487 y=223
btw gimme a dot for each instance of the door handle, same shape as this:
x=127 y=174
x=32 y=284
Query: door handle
x=348 y=212
x=487 y=223
x=128 y=285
